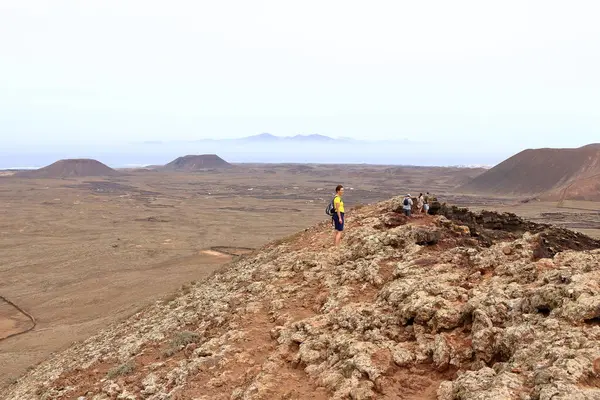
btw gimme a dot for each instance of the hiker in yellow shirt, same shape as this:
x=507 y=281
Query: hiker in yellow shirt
x=338 y=216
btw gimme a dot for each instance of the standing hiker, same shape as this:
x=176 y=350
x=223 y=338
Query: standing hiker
x=420 y=203
x=407 y=204
x=338 y=214
x=426 y=203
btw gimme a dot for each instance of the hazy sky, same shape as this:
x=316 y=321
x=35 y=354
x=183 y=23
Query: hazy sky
x=497 y=74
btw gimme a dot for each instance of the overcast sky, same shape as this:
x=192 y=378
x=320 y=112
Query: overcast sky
x=497 y=74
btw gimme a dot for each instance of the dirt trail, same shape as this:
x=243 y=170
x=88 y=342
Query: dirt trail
x=12 y=315
x=58 y=326
x=9 y=326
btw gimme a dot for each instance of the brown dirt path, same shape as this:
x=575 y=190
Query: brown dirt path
x=14 y=320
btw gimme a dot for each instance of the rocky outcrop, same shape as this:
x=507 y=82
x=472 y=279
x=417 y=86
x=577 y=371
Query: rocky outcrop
x=490 y=226
x=415 y=308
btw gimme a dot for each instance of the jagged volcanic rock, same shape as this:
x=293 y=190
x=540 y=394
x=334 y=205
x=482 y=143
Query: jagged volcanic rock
x=422 y=308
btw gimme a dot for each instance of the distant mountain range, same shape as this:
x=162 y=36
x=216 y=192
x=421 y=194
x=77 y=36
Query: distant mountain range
x=263 y=137
x=264 y=148
x=303 y=138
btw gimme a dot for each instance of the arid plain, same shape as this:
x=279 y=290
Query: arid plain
x=81 y=253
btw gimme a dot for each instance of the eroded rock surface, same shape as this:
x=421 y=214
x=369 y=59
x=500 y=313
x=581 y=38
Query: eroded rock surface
x=418 y=308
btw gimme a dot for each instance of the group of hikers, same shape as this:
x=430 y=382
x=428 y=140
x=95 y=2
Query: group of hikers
x=422 y=204
x=336 y=210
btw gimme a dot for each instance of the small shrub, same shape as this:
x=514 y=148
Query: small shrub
x=358 y=206
x=121 y=370
x=185 y=289
x=168 y=352
x=166 y=300
x=184 y=338
x=181 y=339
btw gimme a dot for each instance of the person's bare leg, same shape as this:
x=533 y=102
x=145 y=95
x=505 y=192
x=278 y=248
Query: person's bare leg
x=338 y=238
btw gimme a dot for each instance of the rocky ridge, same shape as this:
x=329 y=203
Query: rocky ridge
x=453 y=306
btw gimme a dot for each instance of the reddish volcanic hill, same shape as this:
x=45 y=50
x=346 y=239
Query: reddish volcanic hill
x=548 y=173
x=71 y=168
x=197 y=162
x=581 y=189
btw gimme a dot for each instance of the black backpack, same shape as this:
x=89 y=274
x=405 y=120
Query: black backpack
x=330 y=210
x=406 y=201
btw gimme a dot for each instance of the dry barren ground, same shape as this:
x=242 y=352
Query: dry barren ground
x=81 y=253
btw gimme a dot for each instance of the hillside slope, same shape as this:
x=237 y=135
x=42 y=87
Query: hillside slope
x=71 y=168
x=460 y=306
x=544 y=172
x=580 y=189
x=192 y=163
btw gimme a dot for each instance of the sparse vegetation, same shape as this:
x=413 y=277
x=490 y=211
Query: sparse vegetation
x=358 y=206
x=121 y=370
x=184 y=338
x=168 y=352
x=181 y=339
x=186 y=289
x=169 y=298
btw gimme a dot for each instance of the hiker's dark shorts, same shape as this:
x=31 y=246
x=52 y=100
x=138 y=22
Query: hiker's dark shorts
x=407 y=212
x=336 y=222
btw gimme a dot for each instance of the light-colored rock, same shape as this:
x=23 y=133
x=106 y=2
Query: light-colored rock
x=402 y=357
x=445 y=391
x=305 y=315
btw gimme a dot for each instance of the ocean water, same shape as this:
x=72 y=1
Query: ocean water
x=327 y=153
